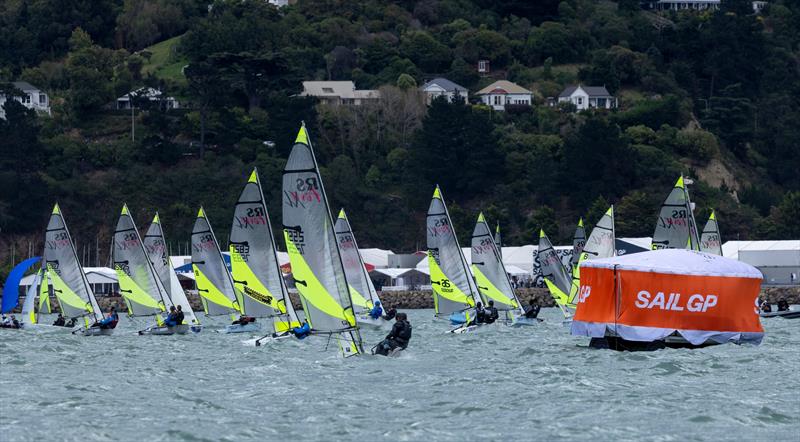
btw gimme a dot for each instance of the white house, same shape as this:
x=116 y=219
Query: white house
x=585 y=97
x=678 y=5
x=502 y=93
x=338 y=92
x=31 y=97
x=439 y=87
x=147 y=93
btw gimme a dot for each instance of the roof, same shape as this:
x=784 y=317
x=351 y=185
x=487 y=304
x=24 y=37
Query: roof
x=592 y=91
x=677 y=262
x=776 y=252
x=343 y=89
x=142 y=92
x=445 y=84
x=503 y=87
x=395 y=272
x=24 y=86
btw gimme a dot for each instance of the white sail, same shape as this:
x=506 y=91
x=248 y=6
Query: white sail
x=213 y=280
x=676 y=228
x=710 y=241
x=489 y=270
x=362 y=291
x=29 y=315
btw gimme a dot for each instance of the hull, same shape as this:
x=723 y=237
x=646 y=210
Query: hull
x=375 y=323
x=786 y=314
x=166 y=331
x=96 y=331
x=458 y=318
x=238 y=328
x=619 y=344
x=48 y=328
x=525 y=322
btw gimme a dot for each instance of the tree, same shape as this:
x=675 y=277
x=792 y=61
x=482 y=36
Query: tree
x=405 y=82
x=205 y=88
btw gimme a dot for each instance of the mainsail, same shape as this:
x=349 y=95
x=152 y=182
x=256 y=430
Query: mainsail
x=578 y=242
x=362 y=292
x=490 y=273
x=555 y=275
x=213 y=280
x=710 y=241
x=138 y=284
x=313 y=251
x=676 y=228
x=65 y=272
x=454 y=289
x=156 y=247
x=255 y=269
x=40 y=286
x=601 y=244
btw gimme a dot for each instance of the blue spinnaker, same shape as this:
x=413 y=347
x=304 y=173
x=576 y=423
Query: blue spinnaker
x=11 y=287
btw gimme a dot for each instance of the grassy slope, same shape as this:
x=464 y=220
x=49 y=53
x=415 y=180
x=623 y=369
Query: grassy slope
x=164 y=63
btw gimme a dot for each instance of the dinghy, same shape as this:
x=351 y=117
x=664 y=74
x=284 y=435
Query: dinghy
x=454 y=290
x=314 y=254
x=260 y=289
x=786 y=314
x=156 y=247
x=710 y=240
x=668 y=298
x=555 y=275
x=491 y=276
x=212 y=278
x=362 y=291
x=139 y=285
x=63 y=270
x=676 y=227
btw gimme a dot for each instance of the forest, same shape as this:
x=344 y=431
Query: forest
x=714 y=95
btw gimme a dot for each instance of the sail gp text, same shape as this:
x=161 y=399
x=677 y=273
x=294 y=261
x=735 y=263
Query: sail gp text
x=695 y=303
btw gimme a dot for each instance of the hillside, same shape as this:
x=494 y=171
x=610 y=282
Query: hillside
x=710 y=94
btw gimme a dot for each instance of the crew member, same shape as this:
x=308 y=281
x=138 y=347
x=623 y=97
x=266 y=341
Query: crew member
x=303 y=331
x=398 y=337
x=376 y=311
x=491 y=313
x=390 y=314
x=179 y=316
x=170 y=321
x=533 y=310
x=783 y=306
x=110 y=321
x=60 y=322
x=244 y=320
x=766 y=307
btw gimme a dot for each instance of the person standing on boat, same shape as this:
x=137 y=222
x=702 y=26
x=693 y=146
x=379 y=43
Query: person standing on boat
x=491 y=313
x=397 y=338
x=170 y=321
x=60 y=322
x=179 y=316
x=376 y=311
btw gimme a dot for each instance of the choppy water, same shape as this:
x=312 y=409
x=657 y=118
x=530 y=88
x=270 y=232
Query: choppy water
x=535 y=383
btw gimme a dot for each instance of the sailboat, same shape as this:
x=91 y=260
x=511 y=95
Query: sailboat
x=260 y=288
x=578 y=242
x=140 y=288
x=314 y=255
x=676 y=227
x=212 y=278
x=156 y=247
x=555 y=274
x=491 y=276
x=601 y=244
x=70 y=286
x=454 y=290
x=362 y=291
x=710 y=240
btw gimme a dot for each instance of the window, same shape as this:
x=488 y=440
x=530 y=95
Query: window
x=498 y=100
x=327 y=90
x=580 y=100
x=43 y=99
x=26 y=99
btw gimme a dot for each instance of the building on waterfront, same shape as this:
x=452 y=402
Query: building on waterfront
x=149 y=94
x=777 y=260
x=586 y=97
x=30 y=97
x=338 y=92
x=504 y=93
x=442 y=87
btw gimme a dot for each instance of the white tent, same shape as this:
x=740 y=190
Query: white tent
x=779 y=261
x=102 y=280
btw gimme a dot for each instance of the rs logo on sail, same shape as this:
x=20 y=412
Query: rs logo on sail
x=695 y=303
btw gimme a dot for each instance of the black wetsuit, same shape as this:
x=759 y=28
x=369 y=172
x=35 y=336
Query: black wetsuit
x=766 y=307
x=398 y=337
x=60 y=321
x=179 y=318
x=491 y=315
x=390 y=314
x=533 y=311
x=783 y=306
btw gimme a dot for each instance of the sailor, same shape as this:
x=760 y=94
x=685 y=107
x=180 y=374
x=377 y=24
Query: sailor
x=533 y=310
x=170 y=321
x=783 y=306
x=6 y=321
x=72 y=322
x=110 y=321
x=60 y=321
x=14 y=322
x=390 y=314
x=398 y=337
x=376 y=311
x=480 y=313
x=491 y=313
x=303 y=331
x=179 y=316
x=766 y=307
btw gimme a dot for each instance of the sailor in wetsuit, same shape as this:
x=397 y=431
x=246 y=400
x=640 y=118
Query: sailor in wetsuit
x=491 y=314
x=783 y=306
x=60 y=321
x=390 y=314
x=533 y=310
x=480 y=315
x=766 y=307
x=397 y=338
x=110 y=321
x=170 y=321
x=302 y=332
x=376 y=311
x=179 y=316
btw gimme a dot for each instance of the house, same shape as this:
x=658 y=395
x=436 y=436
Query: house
x=680 y=5
x=442 y=87
x=31 y=97
x=502 y=93
x=150 y=94
x=338 y=92
x=585 y=97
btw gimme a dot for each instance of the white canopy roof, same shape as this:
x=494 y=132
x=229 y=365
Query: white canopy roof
x=377 y=257
x=677 y=262
x=95 y=275
x=395 y=272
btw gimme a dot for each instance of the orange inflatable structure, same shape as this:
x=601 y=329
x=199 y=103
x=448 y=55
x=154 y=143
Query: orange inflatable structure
x=669 y=294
